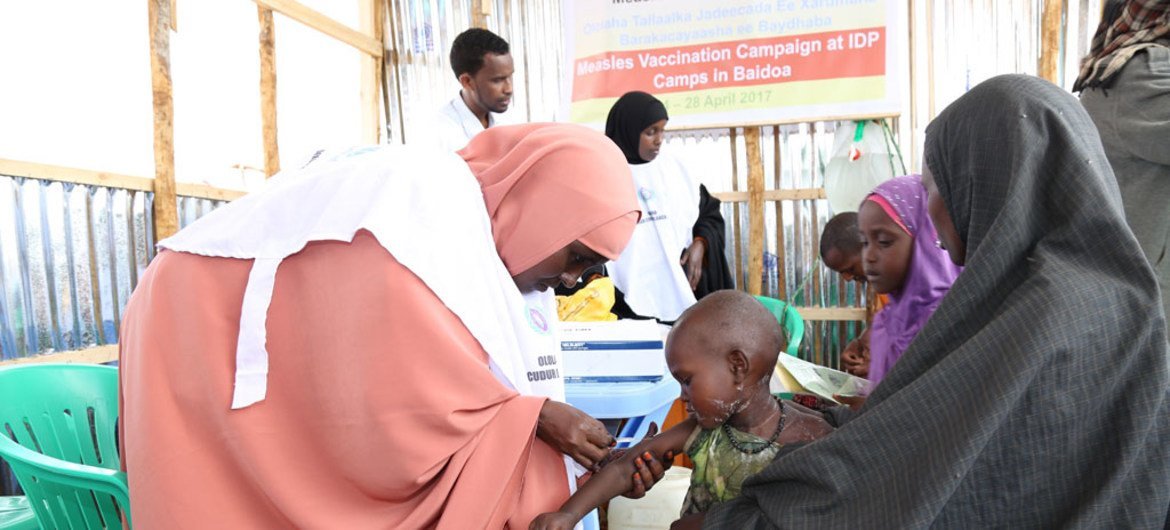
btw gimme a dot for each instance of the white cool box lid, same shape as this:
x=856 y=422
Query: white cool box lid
x=623 y=350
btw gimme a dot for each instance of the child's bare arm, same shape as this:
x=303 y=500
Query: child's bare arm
x=617 y=477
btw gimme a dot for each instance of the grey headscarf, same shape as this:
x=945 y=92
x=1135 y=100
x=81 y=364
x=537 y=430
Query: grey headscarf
x=1036 y=396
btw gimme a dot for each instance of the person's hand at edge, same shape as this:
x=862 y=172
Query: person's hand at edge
x=693 y=521
x=692 y=261
x=573 y=433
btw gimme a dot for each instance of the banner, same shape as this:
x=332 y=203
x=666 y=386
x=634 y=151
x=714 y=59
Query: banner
x=735 y=62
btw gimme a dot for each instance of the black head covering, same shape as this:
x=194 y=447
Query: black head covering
x=630 y=115
x=1038 y=393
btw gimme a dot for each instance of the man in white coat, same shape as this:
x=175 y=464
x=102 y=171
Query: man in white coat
x=482 y=61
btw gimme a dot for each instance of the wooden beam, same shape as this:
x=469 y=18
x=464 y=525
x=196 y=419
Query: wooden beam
x=203 y=191
x=755 y=163
x=268 y=92
x=930 y=113
x=371 y=14
x=33 y=170
x=166 y=216
x=481 y=10
x=89 y=177
x=913 y=85
x=737 y=238
x=831 y=313
x=781 y=265
x=394 y=62
x=1050 y=21
x=796 y=194
x=314 y=19
x=95 y=355
x=815 y=239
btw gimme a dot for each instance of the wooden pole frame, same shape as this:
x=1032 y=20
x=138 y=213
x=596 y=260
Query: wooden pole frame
x=88 y=177
x=94 y=355
x=751 y=136
x=314 y=19
x=1050 y=29
x=372 y=16
x=166 y=215
x=369 y=40
x=268 y=129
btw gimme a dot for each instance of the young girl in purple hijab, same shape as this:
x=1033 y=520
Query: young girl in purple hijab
x=901 y=258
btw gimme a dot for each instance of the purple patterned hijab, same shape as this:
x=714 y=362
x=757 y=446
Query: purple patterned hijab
x=928 y=278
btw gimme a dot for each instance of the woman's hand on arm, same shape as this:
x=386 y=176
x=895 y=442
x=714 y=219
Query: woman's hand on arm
x=574 y=433
x=692 y=261
x=631 y=475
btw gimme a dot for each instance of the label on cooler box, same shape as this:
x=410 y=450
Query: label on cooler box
x=627 y=350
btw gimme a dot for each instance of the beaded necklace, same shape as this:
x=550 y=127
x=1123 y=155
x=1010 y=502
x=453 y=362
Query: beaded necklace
x=775 y=435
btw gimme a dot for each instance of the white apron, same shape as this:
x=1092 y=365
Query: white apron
x=648 y=270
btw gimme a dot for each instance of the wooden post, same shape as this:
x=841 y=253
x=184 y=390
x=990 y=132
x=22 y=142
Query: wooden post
x=371 y=14
x=930 y=114
x=166 y=215
x=394 y=62
x=737 y=243
x=909 y=132
x=480 y=11
x=814 y=226
x=781 y=264
x=755 y=162
x=268 y=92
x=1050 y=20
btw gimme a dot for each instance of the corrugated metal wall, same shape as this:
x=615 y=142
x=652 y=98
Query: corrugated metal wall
x=70 y=255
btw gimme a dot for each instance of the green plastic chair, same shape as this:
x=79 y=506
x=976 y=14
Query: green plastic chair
x=789 y=318
x=17 y=514
x=57 y=434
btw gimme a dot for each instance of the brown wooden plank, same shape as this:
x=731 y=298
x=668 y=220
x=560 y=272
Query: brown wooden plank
x=755 y=163
x=95 y=355
x=819 y=352
x=773 y=195
x=204 y=191
x=738 y=241
x=268 y=92
x=481 y=10
x=89 y=177
x=34 y=170
x=166 y=216
x=371 y=14
x=832 y=313
x=781 y=260
x=395 y=57
x=314 y=19
x=1050 y=21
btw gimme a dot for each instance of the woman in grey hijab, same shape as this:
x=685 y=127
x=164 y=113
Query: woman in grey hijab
x=1036 y=396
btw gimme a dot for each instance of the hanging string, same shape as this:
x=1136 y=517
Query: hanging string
x=890 y=142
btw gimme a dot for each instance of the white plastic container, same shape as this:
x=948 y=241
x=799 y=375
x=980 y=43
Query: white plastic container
x=657 y=509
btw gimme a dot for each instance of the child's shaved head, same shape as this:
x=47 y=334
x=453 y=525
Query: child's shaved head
x=729 y=320
x=841 y=233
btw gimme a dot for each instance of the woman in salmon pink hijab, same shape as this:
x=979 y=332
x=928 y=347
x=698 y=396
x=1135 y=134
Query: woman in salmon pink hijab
x=367 y=343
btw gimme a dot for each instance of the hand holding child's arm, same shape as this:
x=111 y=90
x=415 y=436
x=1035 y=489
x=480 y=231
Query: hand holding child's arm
x=624 y=475
x=573 y=432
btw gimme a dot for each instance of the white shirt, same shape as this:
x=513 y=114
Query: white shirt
x=456 y=124
x=648 y=270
